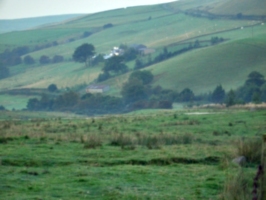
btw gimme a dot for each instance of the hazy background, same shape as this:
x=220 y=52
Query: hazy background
x=14 y=9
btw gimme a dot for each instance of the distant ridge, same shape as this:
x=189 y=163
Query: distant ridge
x=28 y=23
x=245 y=7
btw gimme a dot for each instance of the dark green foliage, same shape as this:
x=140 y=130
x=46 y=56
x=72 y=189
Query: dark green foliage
x=186 y=95
x=130 y=54
x=98 y=59
x=12 y=57
x=33 y=104
x=86 y=34
x=103 y=76
x=218 y=94
x=263 y=92
x=116 y=65
x=44 y=60
x=83 y=53
x=138 y=64
x=66 y=101
x=255 y=78
x=4 y=71
x=196 y=44
x=28 y=60
x=2 y=108
x=134 y=90
x=230 y=98
x=216 y=40
x=52 y=88
x=109 y=25
x=145 y=76
x=57 y=59
x=99 y=104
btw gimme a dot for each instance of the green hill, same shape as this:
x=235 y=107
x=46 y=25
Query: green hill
x=157 y=26
x=9 y=25
x=246 y=7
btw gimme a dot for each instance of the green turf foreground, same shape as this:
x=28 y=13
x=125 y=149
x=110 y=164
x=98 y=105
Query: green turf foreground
x=163 y=155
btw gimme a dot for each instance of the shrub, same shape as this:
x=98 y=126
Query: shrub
x=44 y=60
x=52 y=88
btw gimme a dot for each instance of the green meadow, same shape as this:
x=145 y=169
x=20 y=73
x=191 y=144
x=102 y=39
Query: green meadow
x=157 y=155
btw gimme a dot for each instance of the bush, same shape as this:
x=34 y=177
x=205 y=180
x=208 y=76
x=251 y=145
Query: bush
x=44 y=60
x=109 y=25
x=2 y=107
x=28 y=60
x=52 y=88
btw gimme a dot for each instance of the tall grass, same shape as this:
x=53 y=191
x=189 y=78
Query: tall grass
x=250 y=148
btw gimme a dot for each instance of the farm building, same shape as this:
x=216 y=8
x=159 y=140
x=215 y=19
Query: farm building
x=116 y=51
x=142 y=49
x=97 y=88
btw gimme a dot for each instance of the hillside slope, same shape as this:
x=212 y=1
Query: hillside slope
x=157 y=26
x=246 y=7
x=27 y=23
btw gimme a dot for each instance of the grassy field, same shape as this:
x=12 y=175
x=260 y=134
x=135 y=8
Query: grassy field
x=158 y=155
x=233 y=7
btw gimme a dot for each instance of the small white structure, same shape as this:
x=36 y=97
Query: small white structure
x=116 y=51
x=97 y=88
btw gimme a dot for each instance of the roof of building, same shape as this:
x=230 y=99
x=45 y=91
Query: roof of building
x=98 y=87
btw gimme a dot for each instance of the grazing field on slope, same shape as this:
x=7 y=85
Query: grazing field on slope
x=233 y=7
x=203 y=69
x=155 y=33
x=64 y=75
x=169 y=155
x=17 y=102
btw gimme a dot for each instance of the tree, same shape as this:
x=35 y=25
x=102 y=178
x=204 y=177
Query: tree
x=145 y=76
x=255 y=78
x=263 y=92
x=115 y=64
x=230 y=98
x=2 y=108
x=109 y=25
x=103 y=76
x=83 y=53
x=86 y=34
x=4 y=71
x=28 y=60
x=44 y=59
x=52 y=88
x=134 y=90
x=218 y=94
x=66 y=100
x=186 y=95
x=138 y=64
x=33 y=104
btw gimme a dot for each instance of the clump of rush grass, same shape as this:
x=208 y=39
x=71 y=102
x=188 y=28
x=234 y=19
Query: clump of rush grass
x=250 y=148
x=122 y=140
x=93 y=142
x=237 y=188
